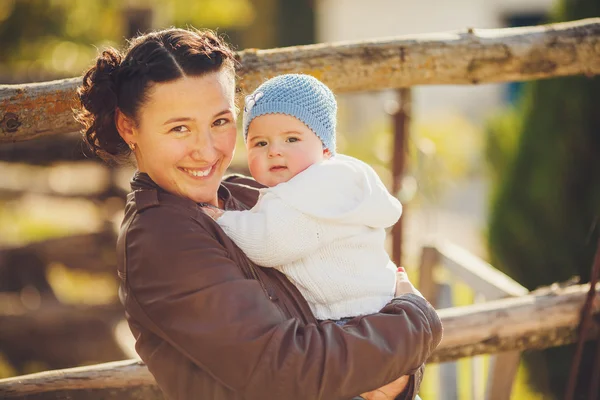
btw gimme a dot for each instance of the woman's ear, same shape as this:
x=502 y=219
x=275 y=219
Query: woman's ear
x=125 y=127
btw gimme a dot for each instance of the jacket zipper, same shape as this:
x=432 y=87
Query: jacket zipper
x=254 y=275
x=304 y=317
x=269 y=290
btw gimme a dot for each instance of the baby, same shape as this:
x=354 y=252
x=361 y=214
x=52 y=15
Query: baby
x=322 y=218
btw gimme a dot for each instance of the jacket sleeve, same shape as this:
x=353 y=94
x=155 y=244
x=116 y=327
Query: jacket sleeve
x=185 y=282
x=273 y=233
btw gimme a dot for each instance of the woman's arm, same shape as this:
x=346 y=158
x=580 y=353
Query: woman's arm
x=406 y=386
x=184 y=281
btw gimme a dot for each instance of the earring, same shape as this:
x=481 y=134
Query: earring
x=131 y=146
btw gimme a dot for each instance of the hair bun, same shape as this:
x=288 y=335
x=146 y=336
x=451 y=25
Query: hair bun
x=98 y=98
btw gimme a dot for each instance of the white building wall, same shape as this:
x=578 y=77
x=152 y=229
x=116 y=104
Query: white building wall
x=338 y=20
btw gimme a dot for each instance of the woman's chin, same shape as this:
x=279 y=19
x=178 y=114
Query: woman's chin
x=199 y=191
x=203 y=196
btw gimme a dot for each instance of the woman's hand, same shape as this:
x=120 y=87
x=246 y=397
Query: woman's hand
x=403 y=285
x=389 y=391
x=212 y=212
x=393 y=389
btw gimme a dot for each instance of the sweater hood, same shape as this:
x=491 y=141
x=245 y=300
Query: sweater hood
x=342 y=189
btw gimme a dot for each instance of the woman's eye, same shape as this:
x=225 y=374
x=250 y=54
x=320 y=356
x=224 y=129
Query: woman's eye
x=220 y=122
x=180 y=129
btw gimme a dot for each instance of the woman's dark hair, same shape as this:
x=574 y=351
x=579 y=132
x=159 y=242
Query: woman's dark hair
x=121 y=80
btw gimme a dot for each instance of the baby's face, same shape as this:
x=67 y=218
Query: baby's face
x=280 y=147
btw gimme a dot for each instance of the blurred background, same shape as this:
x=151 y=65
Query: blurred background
x=507 y=171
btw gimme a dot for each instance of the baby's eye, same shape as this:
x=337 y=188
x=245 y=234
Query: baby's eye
x=261 y=143
x=293 y=139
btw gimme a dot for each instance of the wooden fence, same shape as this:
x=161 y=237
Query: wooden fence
x=509 y=321
x=534 y=321
x=488 y=284
x=469 y=57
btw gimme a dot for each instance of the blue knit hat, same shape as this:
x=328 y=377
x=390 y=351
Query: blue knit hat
x=301 y=96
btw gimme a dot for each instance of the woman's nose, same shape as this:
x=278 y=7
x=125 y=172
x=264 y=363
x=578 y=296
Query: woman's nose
x=202 y=148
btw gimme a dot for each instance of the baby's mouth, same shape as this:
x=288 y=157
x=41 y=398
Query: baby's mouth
x=277 y=168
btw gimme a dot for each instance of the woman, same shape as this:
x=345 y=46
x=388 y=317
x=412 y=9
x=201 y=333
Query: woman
x=208 y=323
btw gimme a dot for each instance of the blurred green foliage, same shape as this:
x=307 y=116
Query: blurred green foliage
x=544 y=161
x=546 y=196
x=502 y=135
x=442 y=149
x=49 y=39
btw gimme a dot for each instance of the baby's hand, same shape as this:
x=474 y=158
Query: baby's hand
x=403 y=285
x=212 y=212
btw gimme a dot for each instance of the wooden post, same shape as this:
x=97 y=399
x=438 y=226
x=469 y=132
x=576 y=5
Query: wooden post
x=503 y=370
x=478 y=274
x=401 y=122
x=448 y=374
x=427 y=285
x=137 y=20
x=478 y=365
x=492 y=285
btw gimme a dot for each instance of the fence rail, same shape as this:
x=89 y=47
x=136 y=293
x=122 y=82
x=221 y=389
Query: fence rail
x=534 y=321
x=468 y=57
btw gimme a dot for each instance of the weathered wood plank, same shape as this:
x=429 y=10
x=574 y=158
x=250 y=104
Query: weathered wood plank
x=429 y=288
x=534 y=321
x=86 y=251
x=46 y=150
x=471 y=56
x=128 y=379
x=478 y=274
x=448 y=371
x=61 y=336
x=38 y=109
x=81 y=178
x=468 y=57
x=503 y=370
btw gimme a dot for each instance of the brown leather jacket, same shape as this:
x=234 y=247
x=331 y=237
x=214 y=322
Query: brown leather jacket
x=209 y=324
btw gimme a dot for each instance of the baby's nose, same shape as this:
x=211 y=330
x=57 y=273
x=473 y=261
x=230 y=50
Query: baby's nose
x=274 y=150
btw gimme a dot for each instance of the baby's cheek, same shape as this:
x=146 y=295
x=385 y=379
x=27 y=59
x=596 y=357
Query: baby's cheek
x=253 y=163
x=255 y=169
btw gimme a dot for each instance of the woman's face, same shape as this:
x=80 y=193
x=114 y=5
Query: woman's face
x=186 y=133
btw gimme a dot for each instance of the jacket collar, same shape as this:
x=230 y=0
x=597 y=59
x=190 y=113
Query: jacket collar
x=142 y=181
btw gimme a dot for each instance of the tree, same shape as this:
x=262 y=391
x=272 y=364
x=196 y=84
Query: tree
x=547 y=193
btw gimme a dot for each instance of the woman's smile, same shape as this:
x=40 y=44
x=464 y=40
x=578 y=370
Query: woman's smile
x=198 y=172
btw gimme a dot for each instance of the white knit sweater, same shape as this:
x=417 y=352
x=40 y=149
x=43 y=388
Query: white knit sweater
x=324 y=229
